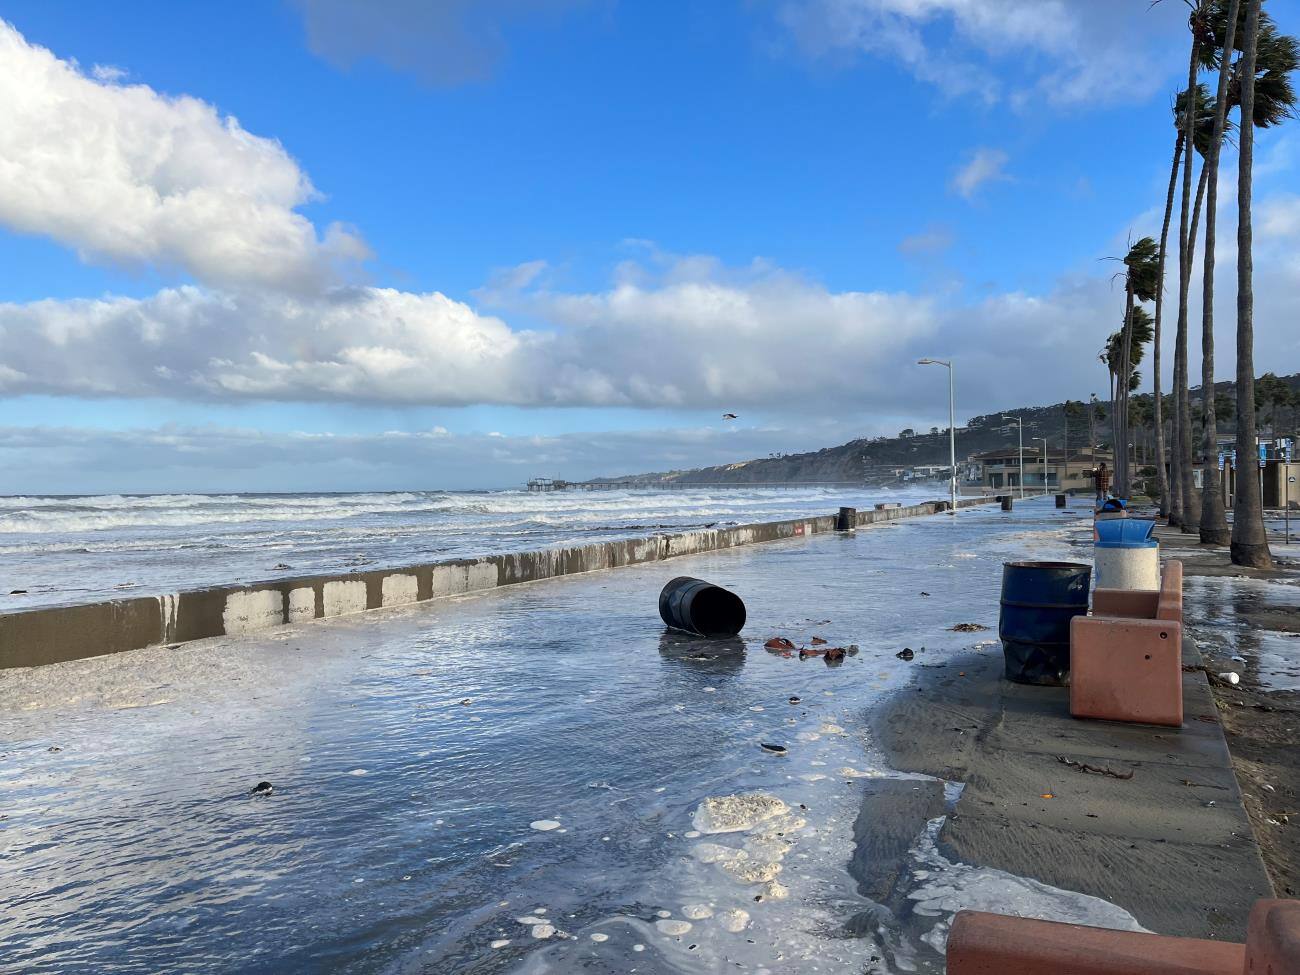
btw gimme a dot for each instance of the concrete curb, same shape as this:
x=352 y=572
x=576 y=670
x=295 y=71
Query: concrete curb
x=47 y=635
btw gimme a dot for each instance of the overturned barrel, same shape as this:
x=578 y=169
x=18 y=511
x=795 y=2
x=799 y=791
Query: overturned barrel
x=700 y=607
x=1038 y=601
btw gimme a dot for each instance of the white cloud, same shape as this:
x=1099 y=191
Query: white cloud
x=698 y=336
x=108 y=73
x=1279 y=217
x=1066 y=52
x=125 y=174
x=984 y=166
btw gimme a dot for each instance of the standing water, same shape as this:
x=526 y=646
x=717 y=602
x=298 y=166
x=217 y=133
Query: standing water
x=532 y=780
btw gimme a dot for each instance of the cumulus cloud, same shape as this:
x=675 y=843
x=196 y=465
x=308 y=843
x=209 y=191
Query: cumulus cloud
x=440 y=42
x=699 y=335
x=125 y=174
x=984 y=166
x=1060 y=51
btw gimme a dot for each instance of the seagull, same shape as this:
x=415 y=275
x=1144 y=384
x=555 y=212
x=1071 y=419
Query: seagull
x=730 y=416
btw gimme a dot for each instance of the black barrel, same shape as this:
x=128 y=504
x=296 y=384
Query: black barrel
x=846 y=520
x=701 y=608
x=1006 y=502
x=1060 y=500
x=1038 y=601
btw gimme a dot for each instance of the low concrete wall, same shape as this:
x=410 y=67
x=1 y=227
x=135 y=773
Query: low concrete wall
x=53 y=634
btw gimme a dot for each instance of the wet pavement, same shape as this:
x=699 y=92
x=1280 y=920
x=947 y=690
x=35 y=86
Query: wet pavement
x=502 y=782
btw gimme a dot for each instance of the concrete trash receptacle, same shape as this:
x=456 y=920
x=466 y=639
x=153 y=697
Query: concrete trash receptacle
x=1126 y=555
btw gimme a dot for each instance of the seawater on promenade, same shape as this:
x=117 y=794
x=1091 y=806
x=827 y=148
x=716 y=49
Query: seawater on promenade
x=88 y=549
x=413 y=750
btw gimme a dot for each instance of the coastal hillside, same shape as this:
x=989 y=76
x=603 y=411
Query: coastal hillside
x=877 y=458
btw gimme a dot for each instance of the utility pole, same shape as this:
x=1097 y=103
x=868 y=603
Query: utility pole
x=1020 y=433
x=952 y=432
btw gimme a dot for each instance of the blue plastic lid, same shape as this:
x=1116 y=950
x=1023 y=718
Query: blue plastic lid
x=1126 y=533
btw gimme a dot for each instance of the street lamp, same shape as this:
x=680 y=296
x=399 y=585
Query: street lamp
x=952 y=431
x=1020 y=432
x=1044 y=440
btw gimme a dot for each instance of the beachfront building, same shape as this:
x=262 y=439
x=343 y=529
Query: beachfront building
x=1000 y=470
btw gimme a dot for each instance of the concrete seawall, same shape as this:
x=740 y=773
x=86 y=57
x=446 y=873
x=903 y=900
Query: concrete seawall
x=49 y=635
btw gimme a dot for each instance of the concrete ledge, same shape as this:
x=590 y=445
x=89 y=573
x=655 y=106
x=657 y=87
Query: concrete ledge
x=53 y=634
x=991 y=944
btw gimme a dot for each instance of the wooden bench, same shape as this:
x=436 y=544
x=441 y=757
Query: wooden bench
x=1126 y=658
x=994 y=944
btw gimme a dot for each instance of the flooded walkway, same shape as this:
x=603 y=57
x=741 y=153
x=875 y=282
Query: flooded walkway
x=511 y=781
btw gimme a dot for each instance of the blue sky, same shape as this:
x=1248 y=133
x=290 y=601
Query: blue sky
x=597 y=224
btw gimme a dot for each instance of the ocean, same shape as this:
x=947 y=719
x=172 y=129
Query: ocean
x=57 y=550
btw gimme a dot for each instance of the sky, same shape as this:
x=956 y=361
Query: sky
x=295 y=245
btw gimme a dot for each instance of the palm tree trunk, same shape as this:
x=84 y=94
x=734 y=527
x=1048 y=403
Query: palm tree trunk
x=1162 y=480
x=1186 y=437
x=1122 y=486
x=1249 y=540
x=1114 y=429
x=1182 y=418
x=1214 y=519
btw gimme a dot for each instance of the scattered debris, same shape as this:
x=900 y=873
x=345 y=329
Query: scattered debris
x=774 y=749
x=18 y=592
x=905 y=654
x=467 y=700
x=281 y=566
x=805 y=653
x=778 y=643
x=1047 y=795
x=834 y=655
x=818 y=641
x=1230 y=677
x=968 y=628
x=1094 y=769
x=263 y=789
x=54 y=748
x=794 y=699
x=925 y=594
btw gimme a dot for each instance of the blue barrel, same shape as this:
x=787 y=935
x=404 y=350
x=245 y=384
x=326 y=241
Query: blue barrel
x=1038 y=601
x=701 y=608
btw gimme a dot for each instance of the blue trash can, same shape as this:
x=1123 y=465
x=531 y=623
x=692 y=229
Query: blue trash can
x=1038 y=601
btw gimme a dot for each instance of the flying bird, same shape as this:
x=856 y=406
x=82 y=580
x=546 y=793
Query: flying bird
x=730 y=416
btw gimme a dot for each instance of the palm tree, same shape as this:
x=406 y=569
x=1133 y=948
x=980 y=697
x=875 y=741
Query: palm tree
x=1141 y=283
x=1277 y=55
x=1138 y=329
x=1249 y=538
x=1185 y=512
x=1169 y=490
x=1214 y=519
